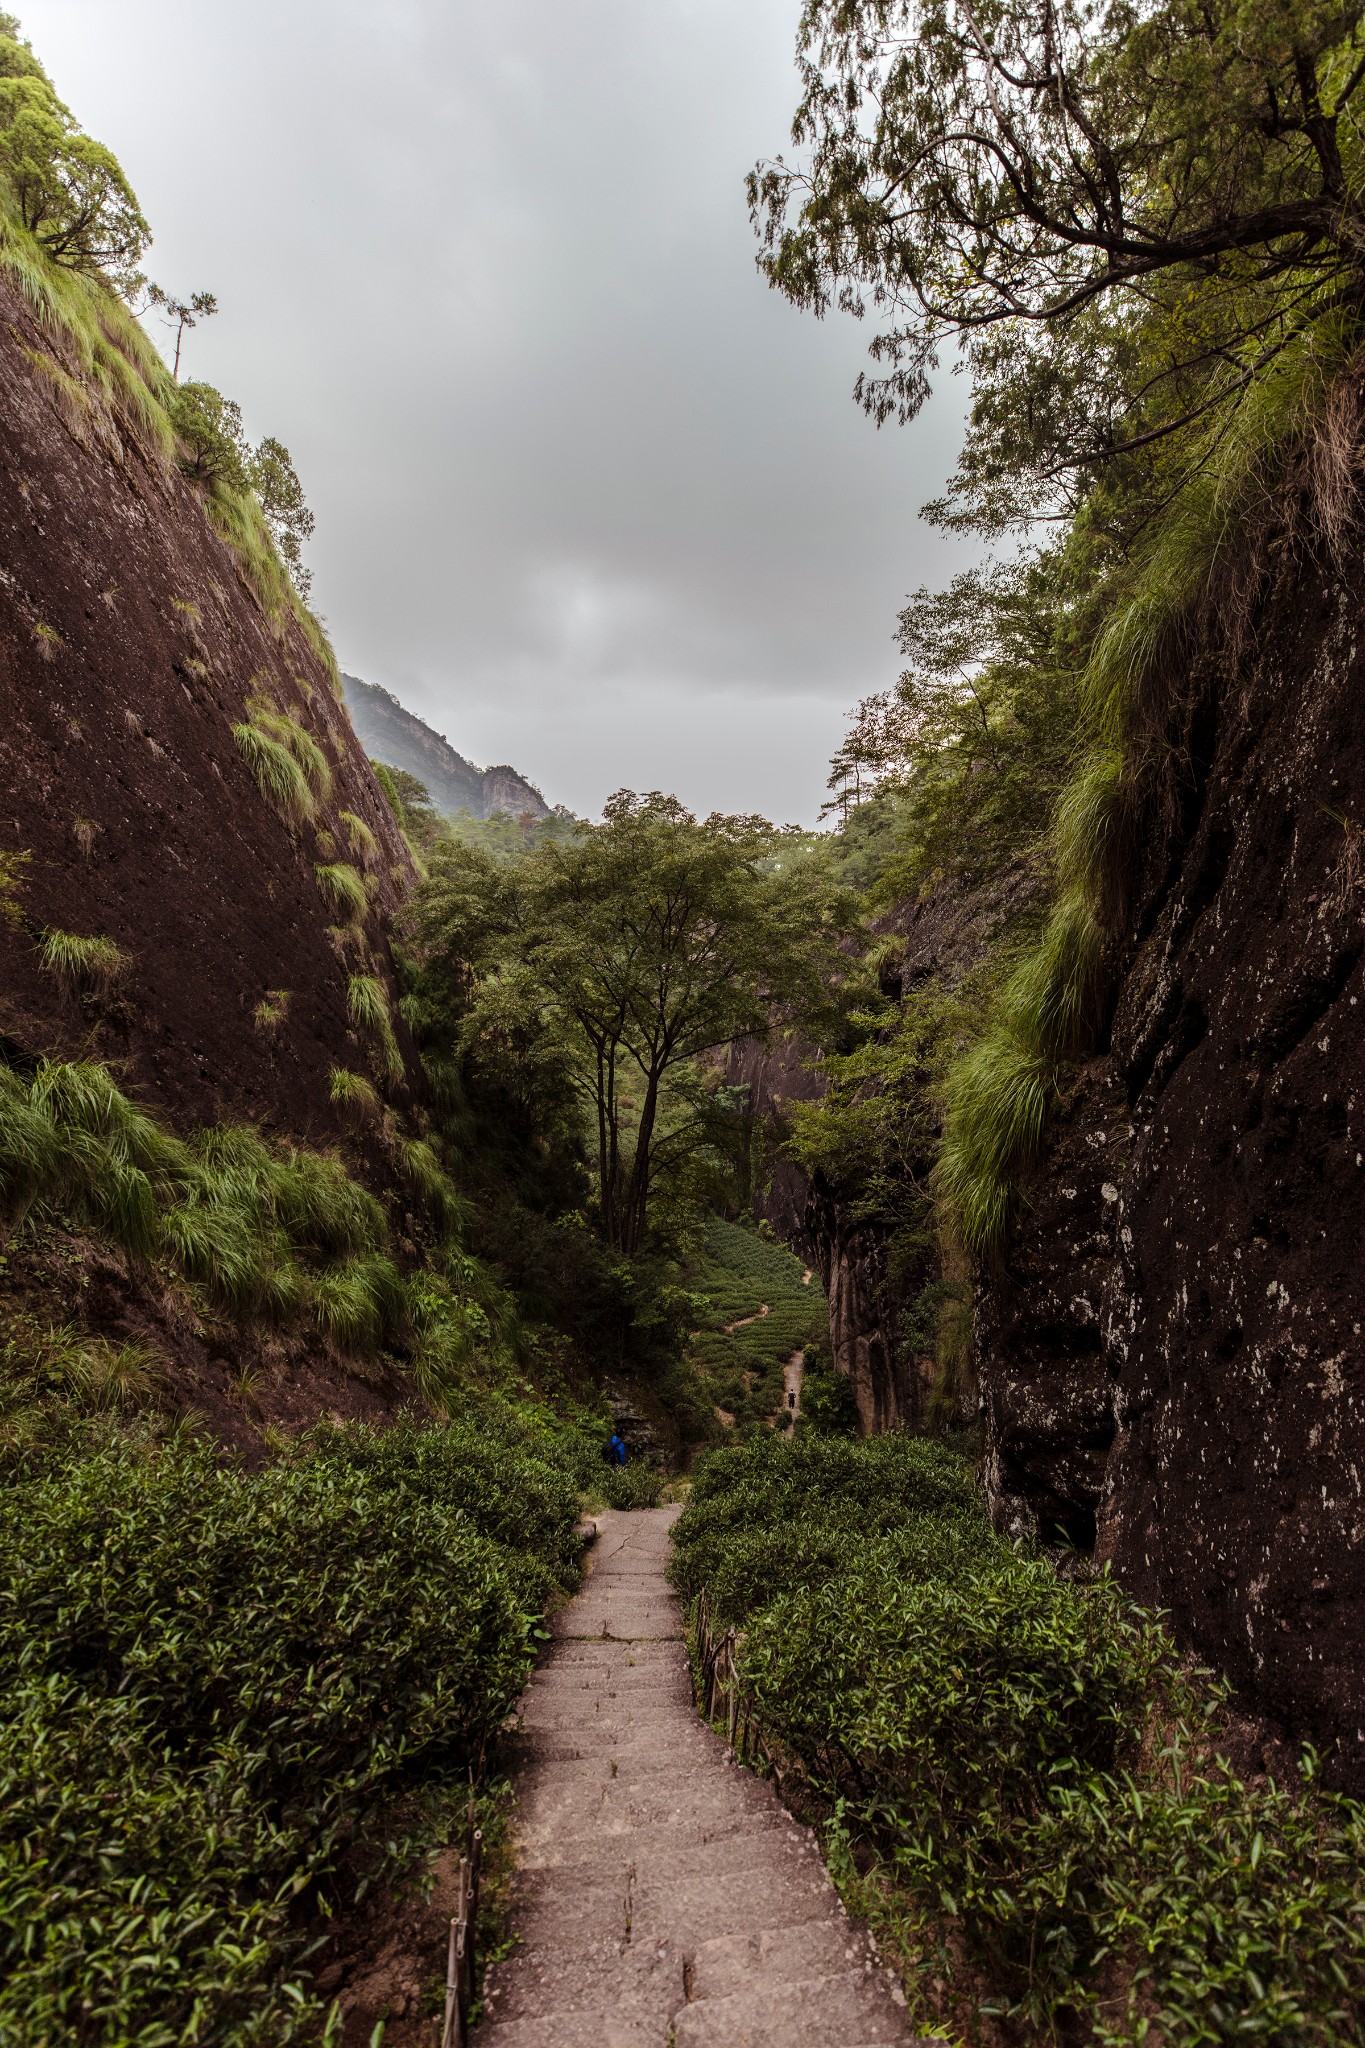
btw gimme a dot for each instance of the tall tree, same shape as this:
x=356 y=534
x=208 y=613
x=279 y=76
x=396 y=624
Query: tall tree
x=644 y=943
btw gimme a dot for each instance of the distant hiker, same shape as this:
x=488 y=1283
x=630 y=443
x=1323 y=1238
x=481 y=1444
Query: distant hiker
x=791 y=1400
x=618 y=1450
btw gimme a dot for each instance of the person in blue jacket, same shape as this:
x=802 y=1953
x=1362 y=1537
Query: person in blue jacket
x=618 y=1450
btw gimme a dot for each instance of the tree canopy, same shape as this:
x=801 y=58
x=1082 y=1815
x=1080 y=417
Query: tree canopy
x=627 y=953
x=1116 y=212
x=70 y=190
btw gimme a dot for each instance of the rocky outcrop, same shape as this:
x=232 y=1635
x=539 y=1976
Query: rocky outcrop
x=1173 y=1341
x=392 y=733
x=133 y=640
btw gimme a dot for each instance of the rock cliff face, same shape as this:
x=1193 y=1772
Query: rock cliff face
x=1171 y=1350
x=132 y=642
x=392 y=733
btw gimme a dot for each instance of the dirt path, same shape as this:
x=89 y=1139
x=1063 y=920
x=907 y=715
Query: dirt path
x=745 y=1321
x=667 y=1899
x=791 y=1384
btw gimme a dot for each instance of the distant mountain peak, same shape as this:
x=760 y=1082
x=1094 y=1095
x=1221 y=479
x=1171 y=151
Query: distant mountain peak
x=388 y=731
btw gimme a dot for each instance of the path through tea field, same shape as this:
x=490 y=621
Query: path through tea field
x=666 y=1897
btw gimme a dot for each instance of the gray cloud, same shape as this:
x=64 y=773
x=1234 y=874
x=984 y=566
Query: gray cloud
x=589 y=497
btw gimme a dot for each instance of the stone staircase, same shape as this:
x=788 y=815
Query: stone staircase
x=665 y=1895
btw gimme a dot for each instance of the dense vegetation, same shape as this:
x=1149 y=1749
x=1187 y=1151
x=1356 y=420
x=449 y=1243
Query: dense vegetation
x=1139 y=230
x=759 y=1311
x=1017 y=1777
x=217 y=1682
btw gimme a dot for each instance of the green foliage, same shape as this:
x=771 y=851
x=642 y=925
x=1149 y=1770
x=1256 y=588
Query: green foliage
x=637 y=1484
x=209 y=428
x=85 y=965
x=344 y=889
x=1023 y=1779
x=359 y=837
x=1119 y=218
x=70 y=191
x=280 y=1233
x=179 y=1782
x=756 y=1313
x=354 y=1092
x=280 y=778
x=618 y=958
x=766 y=1516
x=270 y=472
x=367 y=999
x=272 y=1010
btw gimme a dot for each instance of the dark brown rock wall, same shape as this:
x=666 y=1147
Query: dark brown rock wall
x=131 y=638
x=1223 y=1243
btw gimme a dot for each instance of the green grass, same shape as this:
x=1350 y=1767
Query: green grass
x=84 y=965
x=272 y=1011
x=1017 y=1775
x=353 y=1092
x=367 y=1000
x=344 y=890
x=359 y=837
x=279 y=777
x=282 y=1233
x=999 y=1096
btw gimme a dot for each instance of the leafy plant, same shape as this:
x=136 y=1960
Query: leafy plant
x=1020 y=1775
x=71 y=193
x=193 y=1779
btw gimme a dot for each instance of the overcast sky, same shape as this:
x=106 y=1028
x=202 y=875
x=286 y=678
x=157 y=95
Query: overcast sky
x=590 y=498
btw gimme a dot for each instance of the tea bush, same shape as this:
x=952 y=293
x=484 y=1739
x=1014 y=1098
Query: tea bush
x=216 y=1679
x=765 y=1517
x=1019 y=1775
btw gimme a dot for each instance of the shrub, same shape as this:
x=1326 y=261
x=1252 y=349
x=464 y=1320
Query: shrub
x=767 y=1515
x=636 y=1485
x=1022 y=1780
x=214 y=1680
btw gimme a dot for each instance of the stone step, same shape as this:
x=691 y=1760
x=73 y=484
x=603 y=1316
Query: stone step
x=569 y=2030
x=804 y=1948
x=811 y=2012
x=640 y=1983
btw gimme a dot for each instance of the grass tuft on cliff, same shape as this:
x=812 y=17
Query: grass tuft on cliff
x=282 y=1234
